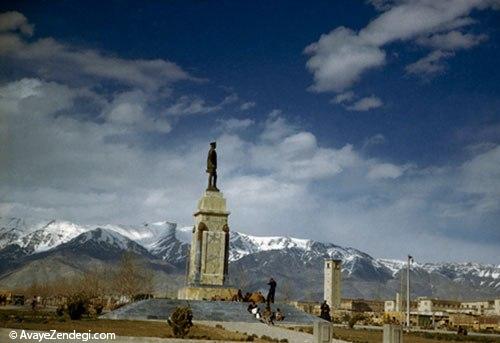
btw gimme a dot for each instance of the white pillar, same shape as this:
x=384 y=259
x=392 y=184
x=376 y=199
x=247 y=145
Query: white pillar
x=332 y=282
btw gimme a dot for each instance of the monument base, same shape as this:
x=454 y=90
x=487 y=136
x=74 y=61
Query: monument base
x=206 y=293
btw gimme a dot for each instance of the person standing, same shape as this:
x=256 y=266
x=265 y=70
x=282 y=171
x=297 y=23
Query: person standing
x=325 y=311
x=272 y=291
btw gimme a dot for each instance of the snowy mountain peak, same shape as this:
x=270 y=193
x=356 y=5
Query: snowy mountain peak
x=145 y=234
x=104 y=236
x=37 y=236
x=50 y=235
x=243 y=244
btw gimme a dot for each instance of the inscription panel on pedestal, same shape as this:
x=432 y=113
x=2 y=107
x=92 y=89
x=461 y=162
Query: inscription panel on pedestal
x=214 y=253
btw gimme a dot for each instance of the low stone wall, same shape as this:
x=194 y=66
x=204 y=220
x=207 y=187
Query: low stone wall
x=207 y=293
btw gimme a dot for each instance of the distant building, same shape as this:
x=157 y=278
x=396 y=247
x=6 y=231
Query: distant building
x=362 y=305
x=311 y=307
x=332 y=282
x=390 y=306
x=478 y=308
x=393 y=306
x=488 y=307
x=431 y=306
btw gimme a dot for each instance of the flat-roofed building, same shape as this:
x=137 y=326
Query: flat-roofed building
x=487 y=307
x=430 y=306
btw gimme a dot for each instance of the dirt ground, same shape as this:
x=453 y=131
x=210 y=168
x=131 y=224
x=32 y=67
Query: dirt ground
x=372 y=336
x=44 y=321
x=375 y=336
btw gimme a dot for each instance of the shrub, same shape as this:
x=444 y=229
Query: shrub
x=269 y=339
x=95 y=308
x=77 y=306
x=354 y=319
x=181 y=321
x=60 y=311
x=142 y=296
x=98 y=308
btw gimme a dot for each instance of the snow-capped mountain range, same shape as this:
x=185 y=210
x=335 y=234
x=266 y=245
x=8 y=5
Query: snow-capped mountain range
x=38 y=236
x=163 y=241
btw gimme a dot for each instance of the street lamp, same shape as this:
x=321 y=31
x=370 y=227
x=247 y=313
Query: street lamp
x=410 y=259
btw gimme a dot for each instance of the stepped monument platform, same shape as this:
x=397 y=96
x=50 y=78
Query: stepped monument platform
x=215 y=311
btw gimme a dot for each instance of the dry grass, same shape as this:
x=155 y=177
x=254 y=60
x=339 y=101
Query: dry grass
x=373 y=336
x=44 y=321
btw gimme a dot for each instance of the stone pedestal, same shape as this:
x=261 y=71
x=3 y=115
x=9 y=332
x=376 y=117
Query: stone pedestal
x=209 y=254
x=207 y=293
x=393 y=333
x=322 y=332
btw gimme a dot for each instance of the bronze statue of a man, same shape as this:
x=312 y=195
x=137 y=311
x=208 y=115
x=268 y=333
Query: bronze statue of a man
x=212 y=168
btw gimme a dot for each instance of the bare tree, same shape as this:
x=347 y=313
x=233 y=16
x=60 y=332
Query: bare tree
x=93 y=283
x=240 y=278
x=132 y=276
x=286 y=290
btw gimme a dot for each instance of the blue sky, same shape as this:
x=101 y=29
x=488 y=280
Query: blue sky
x=369 y=124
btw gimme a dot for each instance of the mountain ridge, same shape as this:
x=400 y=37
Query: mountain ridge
x=164 y=241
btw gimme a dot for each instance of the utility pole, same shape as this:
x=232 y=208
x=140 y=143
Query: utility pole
x=408 y=292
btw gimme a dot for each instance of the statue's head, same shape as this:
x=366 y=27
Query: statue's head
x=213 y=145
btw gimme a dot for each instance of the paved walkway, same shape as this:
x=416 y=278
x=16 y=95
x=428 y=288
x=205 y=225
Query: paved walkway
x=260 y=329
x=272 y=331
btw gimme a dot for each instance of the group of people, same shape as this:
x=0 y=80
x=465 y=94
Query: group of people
x=257 y=297
x=267 y=316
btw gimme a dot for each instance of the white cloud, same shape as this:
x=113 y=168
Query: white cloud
x=297 y=156
x=12 y=21
x=339 y=58
x=382 y=5
x=365 y=104
x=480 y=173
x=234 y=124
x=187 y=105
x=385 y=170
x=452 y=40
x=429 y=65
x=343 y=97
x=247 y=105
x=276 y=127
x=144 y=85
x=130 y=110
x=374 y=140
x=24 y=96
x=230 y=99
x=53 y=60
